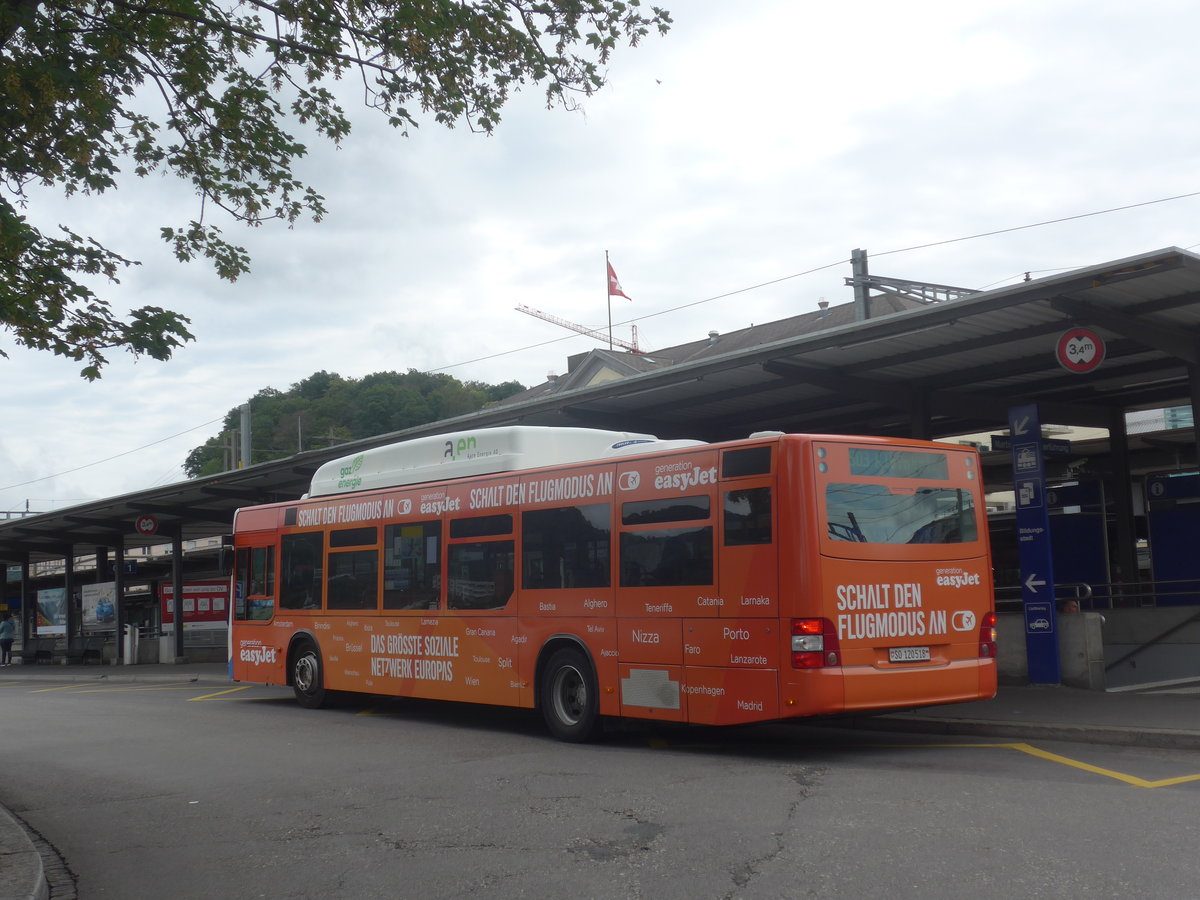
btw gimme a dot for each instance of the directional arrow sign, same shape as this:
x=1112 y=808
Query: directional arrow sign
x=1034 y=548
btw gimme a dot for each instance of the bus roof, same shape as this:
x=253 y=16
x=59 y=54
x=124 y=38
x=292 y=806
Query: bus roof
x=482 y=451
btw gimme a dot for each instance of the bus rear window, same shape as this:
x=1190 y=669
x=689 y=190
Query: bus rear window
x=875 y=514
x=871 y=462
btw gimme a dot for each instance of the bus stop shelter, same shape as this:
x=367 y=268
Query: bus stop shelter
x=905 y=358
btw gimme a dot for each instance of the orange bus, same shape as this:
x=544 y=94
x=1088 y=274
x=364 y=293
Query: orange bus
x=597 y=574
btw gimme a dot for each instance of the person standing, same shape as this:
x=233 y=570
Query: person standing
x=7 y=632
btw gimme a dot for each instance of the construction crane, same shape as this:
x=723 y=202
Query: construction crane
x=598 y=334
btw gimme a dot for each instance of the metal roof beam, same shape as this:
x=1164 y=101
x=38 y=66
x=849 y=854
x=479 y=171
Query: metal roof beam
x=1162 y=304
x=235 y=493
x=836 y=381
x=1181 y=345
x=953 y=404
x=709 y=398
x=1112 y=380
x=609 y=421
x=1037 y=363
x=93 y=520
x=840 y=420
x=964 y=346
x=190 y=513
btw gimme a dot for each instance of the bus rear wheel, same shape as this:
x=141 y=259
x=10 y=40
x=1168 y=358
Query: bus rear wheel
x=308 y=678
x=569 y=699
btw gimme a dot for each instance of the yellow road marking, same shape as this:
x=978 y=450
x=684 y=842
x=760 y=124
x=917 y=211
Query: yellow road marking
x=662 y=744
x=1062 y=760
x=142 y=689
x=1097 y=770
x=221 y=693
x=64 y=687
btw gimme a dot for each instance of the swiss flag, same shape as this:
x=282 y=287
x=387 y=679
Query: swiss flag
x=614 y=286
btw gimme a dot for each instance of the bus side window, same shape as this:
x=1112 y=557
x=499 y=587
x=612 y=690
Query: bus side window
x=353 y=578
x=566 y=547
x=748 y=517
x=479 y=574
x=747 y=461
x=669 y=556
x=412 y=566
x=666 y=556
x=255 y=587
x=300 y=562
x=353 y=575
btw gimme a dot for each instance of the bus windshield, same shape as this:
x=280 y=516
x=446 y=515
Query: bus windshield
x=876 y=514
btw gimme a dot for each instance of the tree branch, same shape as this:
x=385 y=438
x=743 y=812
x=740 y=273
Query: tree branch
x=257 y=37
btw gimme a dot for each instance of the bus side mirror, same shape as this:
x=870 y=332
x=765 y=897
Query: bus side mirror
x=225 y=556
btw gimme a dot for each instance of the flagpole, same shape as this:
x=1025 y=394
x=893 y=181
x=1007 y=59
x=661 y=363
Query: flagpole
x=608 y=294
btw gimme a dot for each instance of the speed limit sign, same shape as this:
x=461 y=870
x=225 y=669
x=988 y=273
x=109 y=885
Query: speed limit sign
x=146 y=525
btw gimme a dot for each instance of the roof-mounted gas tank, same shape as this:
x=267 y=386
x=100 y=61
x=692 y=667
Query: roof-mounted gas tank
x=482 y=451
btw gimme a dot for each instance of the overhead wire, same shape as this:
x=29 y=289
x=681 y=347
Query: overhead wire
x=841 y=262
x=663 y=312
x=689 y=305
x=1027 y=273
x=111 y=458
x=983 y=234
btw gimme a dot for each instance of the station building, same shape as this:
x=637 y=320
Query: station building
x=1089 y=356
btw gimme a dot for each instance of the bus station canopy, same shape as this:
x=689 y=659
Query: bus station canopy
x=952 y=363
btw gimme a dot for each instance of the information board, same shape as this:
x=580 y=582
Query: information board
x=1035 y=551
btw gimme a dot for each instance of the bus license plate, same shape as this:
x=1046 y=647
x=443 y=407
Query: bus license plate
x=908 y=654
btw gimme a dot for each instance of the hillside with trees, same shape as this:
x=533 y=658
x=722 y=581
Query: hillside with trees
x=326 y=409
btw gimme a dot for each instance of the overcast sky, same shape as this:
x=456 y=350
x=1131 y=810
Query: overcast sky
x=754 y=142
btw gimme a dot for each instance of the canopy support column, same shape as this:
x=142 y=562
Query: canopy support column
x=1122 y=484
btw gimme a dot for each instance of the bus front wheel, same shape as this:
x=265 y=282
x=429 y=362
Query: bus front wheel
x=569 y=699
x=308 y=679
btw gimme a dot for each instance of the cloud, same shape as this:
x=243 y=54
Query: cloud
x=752 y=143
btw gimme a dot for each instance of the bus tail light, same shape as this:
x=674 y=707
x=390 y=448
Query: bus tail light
x=814 y=644
x=987 y=636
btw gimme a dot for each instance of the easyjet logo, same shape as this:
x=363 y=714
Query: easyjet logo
x=258 y=656
x=958 y=579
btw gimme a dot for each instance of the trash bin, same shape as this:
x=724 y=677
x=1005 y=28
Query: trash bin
x=131 y=645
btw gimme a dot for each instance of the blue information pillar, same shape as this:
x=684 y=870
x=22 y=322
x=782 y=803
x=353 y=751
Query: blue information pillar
x=1034 y=547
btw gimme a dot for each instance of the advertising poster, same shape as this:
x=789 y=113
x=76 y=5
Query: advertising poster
x=204 y=603
x=52 y=611
x=99 y=606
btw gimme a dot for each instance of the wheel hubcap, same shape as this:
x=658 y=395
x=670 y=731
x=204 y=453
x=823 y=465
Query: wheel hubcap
x=570 y=695
x=306 y=669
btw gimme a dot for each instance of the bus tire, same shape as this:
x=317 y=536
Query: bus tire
x=308 y=676
x=569 y=699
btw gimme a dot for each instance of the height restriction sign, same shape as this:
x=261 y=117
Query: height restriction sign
x=1080 y=350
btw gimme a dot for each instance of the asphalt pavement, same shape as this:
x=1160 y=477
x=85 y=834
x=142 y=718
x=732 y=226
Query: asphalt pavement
x=1162 y=716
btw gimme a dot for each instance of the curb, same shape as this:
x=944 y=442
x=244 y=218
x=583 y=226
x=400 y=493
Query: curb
x=1119 y=736
x=22 y=876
